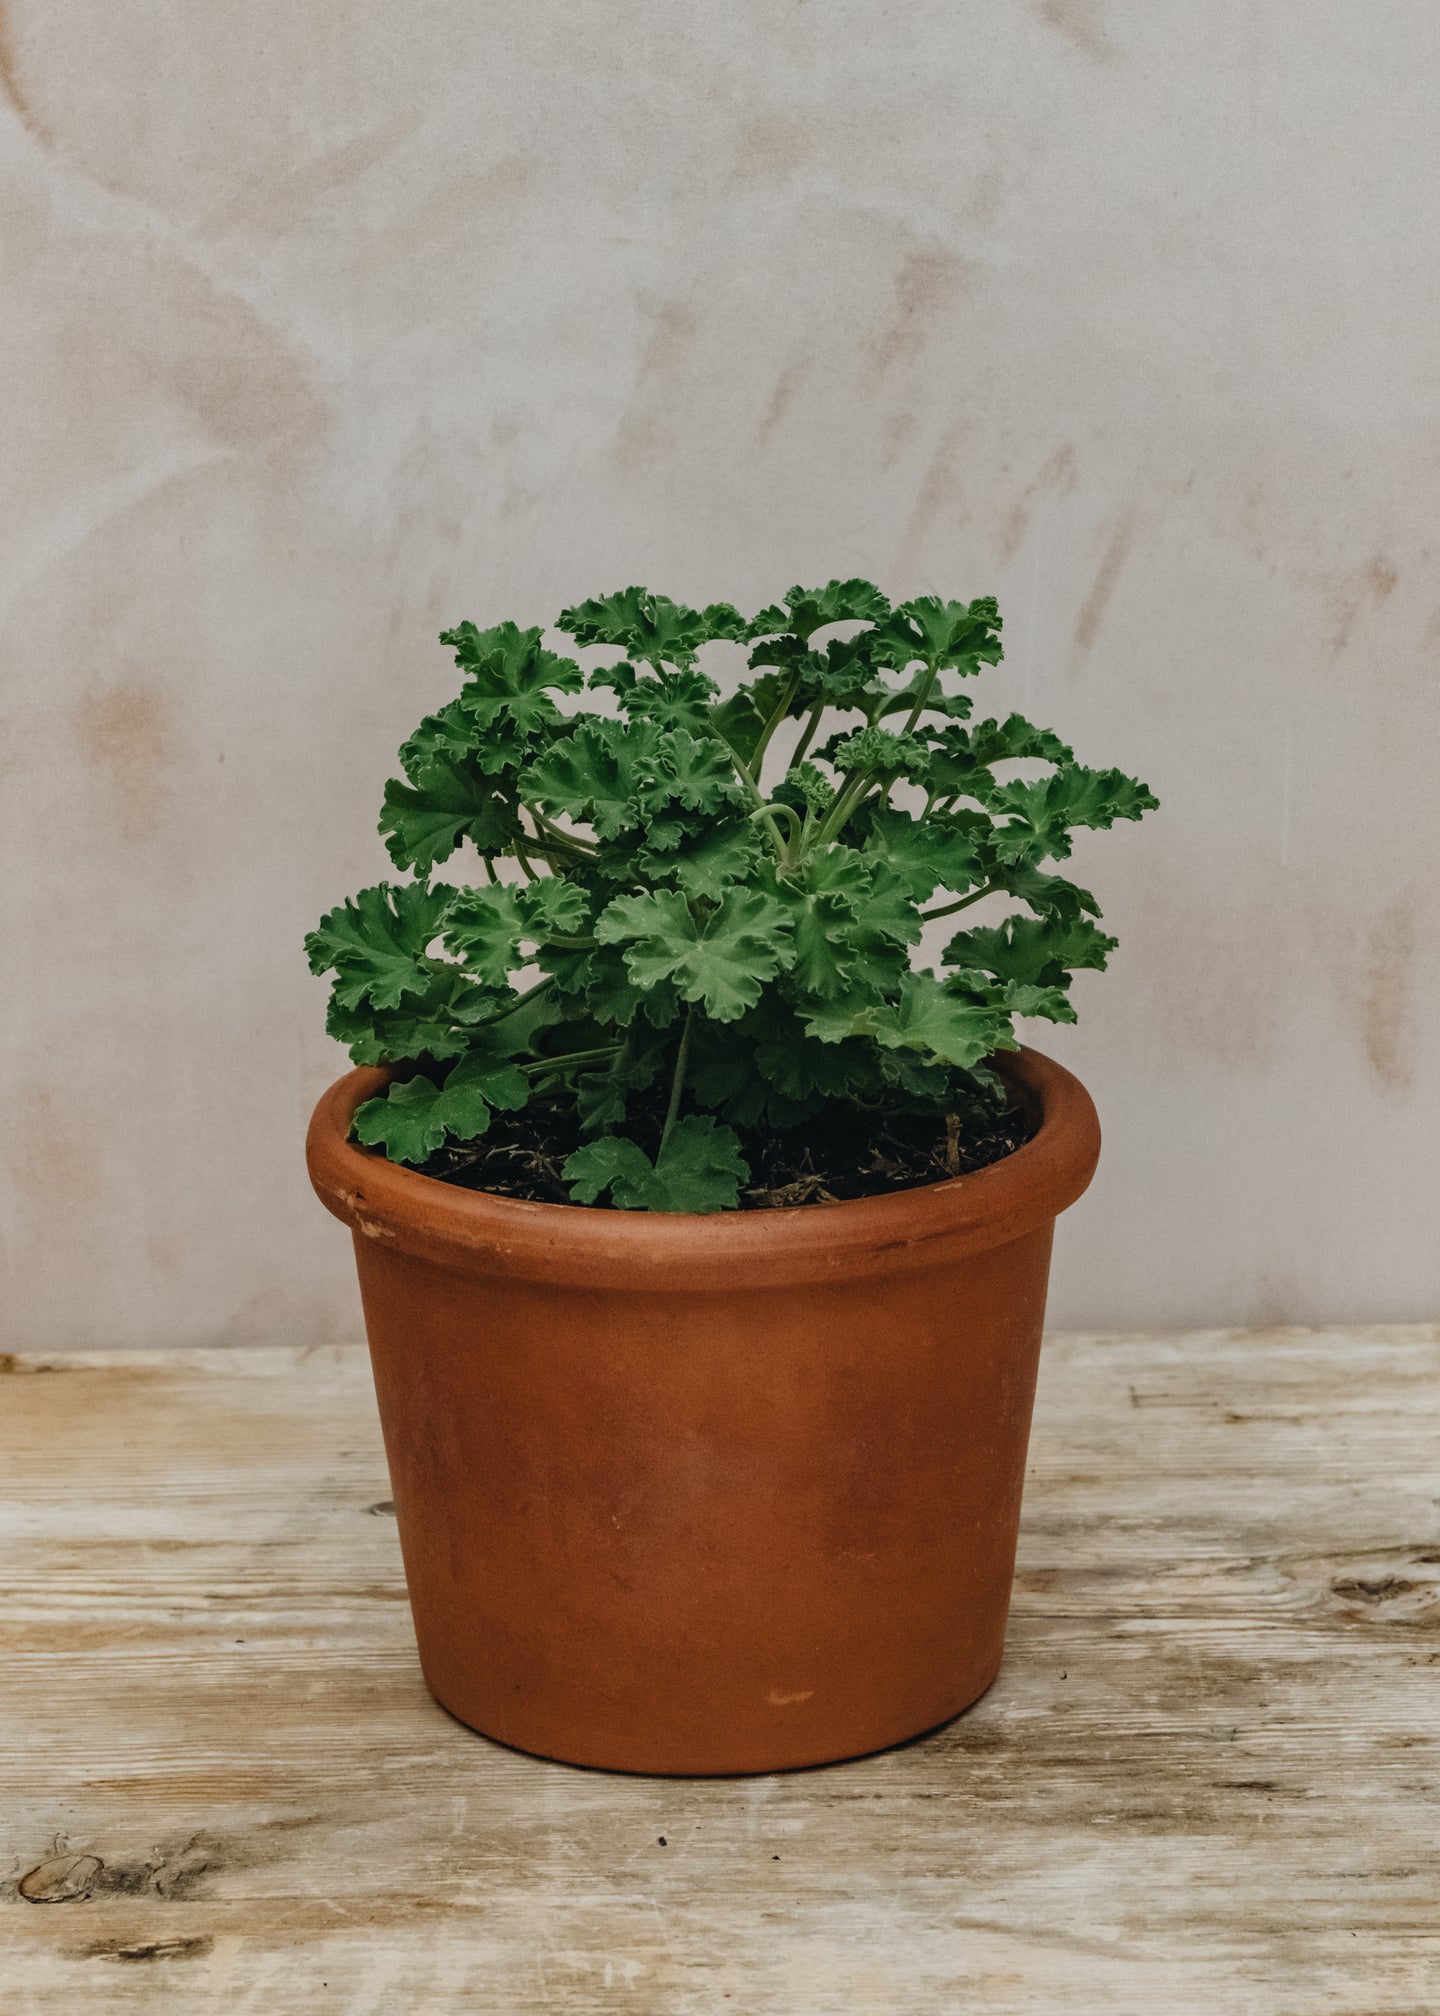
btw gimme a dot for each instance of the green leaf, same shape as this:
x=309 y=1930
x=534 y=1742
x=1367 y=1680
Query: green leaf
x=853 y=921
x=824 y=905
x=800 y=1067
x=929 y=1017
x=1016 y=739
x=699 y=1169
x=925 y=689
x=720 y=962
x=951 y=769
x=432 y=1024
x=704 y=865
x=515 y=1034
x=511 y=675
x=696 y=773
x=449 y=737
x=851 y=669
x=810 y=788
x=1050 y=1004
x=620 y=775
x=810 y=609
x=926 y=854
x=613 y=995
x=424 y=825
x=601 y=774
x=959 y=635
x=740 y=722
x=960 y=758
x=878 y=750
x=1043 y=814
x=411 y=1120
x=487 y=928
x=1041 y=951
x=376 y=943
x=505 y=647
x=724 y=1079
x=602 y=1097
x=649 y=626
x=612 y=1162
x=1048 y=895
x=680 y=700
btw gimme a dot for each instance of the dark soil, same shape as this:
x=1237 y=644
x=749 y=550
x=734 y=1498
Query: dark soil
x=845 y=1152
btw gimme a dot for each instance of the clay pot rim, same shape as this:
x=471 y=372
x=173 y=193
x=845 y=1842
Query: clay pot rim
x=577 y=1245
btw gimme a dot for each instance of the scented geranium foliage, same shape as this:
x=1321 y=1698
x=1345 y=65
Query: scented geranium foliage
x=723 y=910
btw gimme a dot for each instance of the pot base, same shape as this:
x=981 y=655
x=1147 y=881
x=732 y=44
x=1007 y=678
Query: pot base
x=600 y=1758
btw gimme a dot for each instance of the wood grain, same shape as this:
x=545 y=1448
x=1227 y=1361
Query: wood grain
x=1206 y=1779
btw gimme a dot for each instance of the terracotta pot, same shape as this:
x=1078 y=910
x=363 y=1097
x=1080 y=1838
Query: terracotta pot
x=708 y=1494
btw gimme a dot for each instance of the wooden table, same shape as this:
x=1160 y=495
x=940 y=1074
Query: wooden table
x=1206 y=1779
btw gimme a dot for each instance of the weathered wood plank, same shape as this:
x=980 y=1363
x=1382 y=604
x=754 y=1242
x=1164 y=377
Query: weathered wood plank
x=1207 y=1777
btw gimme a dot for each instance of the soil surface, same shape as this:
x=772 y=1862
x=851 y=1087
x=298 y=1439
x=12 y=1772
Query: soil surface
x=843 y=1153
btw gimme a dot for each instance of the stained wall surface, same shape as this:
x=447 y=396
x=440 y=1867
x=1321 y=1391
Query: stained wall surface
x=325 y=326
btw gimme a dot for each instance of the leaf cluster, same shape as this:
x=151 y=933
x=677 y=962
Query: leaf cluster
x=709 y=899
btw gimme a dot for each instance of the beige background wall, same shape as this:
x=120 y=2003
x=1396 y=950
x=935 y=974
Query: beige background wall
x=326 y=325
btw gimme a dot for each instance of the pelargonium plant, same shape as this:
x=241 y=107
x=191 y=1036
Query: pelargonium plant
x=708 y=921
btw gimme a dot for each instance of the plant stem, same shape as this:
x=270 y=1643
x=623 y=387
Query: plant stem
x=510 y=1006
x=778 y=805
x=844 y=805
x=757 y=802
x=802 y=747
x=921 y=697
x=568 y=1062
x=677 y=1084
x=558 y=837
x=949 y=909
x=757 y=754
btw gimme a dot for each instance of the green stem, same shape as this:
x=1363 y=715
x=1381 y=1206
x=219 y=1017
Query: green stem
x=570 y=1060
x=778 y=805
x=920 y=699
x=757 y=754
x=802 y=747
x=677 y=1084
x=844 y=805
x=949 y=909
x=758 y=804
x=510 y=1006
x=558 y=837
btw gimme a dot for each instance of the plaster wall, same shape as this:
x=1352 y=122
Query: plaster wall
x=326 y=326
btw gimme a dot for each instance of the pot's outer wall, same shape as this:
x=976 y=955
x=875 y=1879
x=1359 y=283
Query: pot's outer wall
x=723 y=1528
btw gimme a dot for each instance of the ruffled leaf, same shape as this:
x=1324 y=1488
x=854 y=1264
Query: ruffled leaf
x=721 y=961
x=411 y=1120
x=649 y=626
x=376 y=943
x=700 y=1168
x=493 y=930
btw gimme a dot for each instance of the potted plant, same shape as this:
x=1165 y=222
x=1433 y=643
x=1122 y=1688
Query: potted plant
x=703 y=1234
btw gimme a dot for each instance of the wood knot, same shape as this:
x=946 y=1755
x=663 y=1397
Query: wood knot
x=1378 y=1591
x=61 y=1879
x=150 y=1949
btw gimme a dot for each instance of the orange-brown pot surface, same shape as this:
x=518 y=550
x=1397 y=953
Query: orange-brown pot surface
x=729 y=1493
